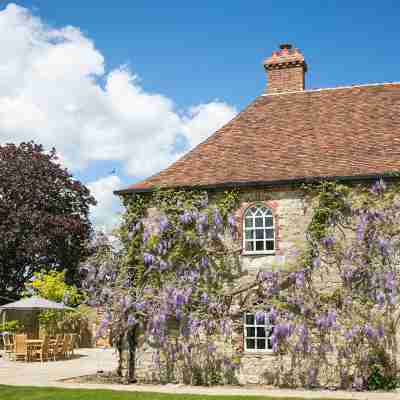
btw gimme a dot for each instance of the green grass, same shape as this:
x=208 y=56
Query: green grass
x=36 y=393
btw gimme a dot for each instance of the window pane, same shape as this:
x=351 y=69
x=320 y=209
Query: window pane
x=249 y=319
x=259 y=222
x=268 y=212
x=248 y=222
x=250 y=343
x=249 y=246
x=250 y=332
x=249 y=234
x=261 y=344
x=269 y=221
x=269 y=233
x=253 y=209
x=269 y=245
x=260 y=246
x=260 y=320
x=269 y=341
x=259 y=234
x=261 y=332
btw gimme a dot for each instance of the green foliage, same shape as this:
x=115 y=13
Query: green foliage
x=329 y=203
x=56 y=321
x=380 y=381
x=12 y=326
x=51 y=285
x=169 y=202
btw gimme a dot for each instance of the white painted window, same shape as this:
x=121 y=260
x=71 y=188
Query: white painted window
x=258 y=231
x=257 y=333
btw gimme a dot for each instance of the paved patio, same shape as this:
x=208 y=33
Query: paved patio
x=91 y=360
x=86 y=362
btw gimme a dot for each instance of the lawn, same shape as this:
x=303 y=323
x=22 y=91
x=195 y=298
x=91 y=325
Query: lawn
x=35 y=393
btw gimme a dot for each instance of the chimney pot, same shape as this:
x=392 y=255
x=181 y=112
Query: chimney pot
x=285 y=69
x=285 y=46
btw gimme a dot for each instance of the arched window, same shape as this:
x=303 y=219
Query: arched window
x=258 y=230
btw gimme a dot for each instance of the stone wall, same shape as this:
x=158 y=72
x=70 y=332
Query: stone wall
x=291 y=221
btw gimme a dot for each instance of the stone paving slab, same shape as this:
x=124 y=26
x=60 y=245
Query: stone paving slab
x=86 y=362
x=89 y=361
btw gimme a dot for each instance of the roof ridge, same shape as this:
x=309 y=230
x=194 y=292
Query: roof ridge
x=331 y=88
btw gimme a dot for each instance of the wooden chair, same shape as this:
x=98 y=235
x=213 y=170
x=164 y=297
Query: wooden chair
x=72 y=343
x=21 y=348
x=65 y=346
x=56 y=347
x=42 y=351
x=8 y=342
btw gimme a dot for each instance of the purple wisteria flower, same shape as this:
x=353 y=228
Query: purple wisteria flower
x=186 y=218
x=378 y=187
x=390 y=281
x=383 y=246
x=145 y=236
x=272 y=315
x=260 y=317
x=217 y=219
x=381 y=331
x=211 y=348
x=380 y=298
x=164 y=223
x=328 y=241
x=204 y=298
x=204 y=262
x=327 y=320
x=148 y=259
x=202 y=223
x=131 y=320
x=360 y=228
x=163 y=265
x=369 y=331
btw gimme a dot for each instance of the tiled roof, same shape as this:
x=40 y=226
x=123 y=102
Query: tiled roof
x=342 y=132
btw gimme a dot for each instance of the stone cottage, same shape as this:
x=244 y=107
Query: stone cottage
x=286 y=136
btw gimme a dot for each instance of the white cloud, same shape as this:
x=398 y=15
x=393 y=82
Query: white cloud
x=54 y=89
x=50 y=92
x=105 y=215
x=205 y=119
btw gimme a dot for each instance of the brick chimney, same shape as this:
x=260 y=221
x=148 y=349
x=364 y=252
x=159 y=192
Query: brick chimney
x=285 y=70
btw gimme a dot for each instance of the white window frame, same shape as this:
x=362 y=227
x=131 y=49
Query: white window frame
x=267 y=212
x=268 y=332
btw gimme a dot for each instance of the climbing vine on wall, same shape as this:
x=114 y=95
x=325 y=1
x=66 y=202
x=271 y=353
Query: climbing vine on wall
x=174 y=265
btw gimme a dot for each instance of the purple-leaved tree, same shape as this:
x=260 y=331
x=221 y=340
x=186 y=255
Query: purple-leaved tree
x=44 y=217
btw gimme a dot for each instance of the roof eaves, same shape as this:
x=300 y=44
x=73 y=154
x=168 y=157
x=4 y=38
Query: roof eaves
x=390 y=176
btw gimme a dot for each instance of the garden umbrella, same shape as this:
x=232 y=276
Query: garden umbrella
x=34 y=304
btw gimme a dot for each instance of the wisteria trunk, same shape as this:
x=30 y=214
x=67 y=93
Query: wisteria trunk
x=126 y=347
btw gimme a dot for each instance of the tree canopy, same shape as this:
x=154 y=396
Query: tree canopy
x=44 y=222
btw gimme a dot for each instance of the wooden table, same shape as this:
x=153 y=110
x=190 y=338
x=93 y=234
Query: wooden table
x=31 y=345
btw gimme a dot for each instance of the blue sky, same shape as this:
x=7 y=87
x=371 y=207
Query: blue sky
x=202 y=60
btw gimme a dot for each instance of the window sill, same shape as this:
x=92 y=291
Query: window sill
x=258 y=253
x=258 y=353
